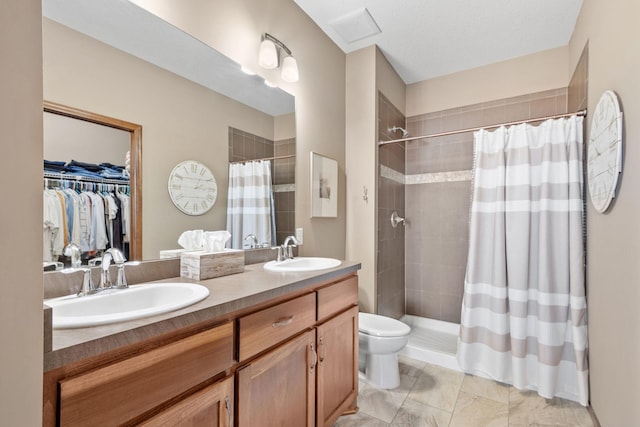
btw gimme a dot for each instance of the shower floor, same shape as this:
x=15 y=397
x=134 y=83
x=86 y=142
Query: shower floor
x=432 y=341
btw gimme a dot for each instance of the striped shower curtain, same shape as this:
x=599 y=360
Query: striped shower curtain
x=250 y=203
x=524 y=316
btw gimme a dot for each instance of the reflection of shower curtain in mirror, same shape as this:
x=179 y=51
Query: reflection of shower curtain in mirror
x=249 y=204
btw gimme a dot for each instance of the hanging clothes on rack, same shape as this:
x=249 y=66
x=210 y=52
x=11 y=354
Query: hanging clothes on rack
x=89 y=212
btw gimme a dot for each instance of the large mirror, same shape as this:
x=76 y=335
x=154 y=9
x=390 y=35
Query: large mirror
x=114 y=59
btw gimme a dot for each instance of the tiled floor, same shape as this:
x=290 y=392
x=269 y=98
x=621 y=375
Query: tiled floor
x=429 y=395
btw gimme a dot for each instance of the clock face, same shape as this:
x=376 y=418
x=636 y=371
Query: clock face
x=192 y=187
x=604 y=152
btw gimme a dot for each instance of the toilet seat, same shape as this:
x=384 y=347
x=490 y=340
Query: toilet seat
x=381 y=326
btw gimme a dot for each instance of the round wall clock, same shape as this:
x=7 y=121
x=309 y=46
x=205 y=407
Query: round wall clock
x=192 y=187
x=604 y=152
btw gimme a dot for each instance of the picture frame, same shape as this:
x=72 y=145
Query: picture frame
x=324 y=186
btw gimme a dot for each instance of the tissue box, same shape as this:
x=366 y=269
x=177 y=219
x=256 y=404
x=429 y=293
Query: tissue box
x=202 y=265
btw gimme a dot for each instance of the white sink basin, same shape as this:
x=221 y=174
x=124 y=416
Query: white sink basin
x=302 y=264
x=113 y=306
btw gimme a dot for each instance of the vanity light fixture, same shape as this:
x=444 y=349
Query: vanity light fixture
x=271 y=50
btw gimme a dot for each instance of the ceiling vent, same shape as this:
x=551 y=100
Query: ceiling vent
x=355 y=26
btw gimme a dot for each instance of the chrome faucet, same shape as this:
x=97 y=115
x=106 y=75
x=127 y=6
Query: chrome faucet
x=287 y=247
x=88 y=287
x=73 y=251
x=115 y=256
x=254 y=240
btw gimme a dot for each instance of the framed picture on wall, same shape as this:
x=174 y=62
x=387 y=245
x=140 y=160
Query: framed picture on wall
x=324 y=186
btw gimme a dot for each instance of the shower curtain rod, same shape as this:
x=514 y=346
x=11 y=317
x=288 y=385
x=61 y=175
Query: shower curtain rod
x=265 y=158
x=454 y=132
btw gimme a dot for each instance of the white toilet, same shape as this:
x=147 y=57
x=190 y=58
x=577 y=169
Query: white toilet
x=380 y=340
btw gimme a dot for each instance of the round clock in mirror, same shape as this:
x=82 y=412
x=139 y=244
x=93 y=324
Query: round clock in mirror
x=604 y=152
x=192 y=187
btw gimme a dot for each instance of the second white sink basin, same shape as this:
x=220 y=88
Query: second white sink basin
x=113 y=306
x=302 y=264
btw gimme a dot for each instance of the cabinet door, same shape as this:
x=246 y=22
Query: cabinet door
x=278 y=388
x=337 y=366
x=209 y=407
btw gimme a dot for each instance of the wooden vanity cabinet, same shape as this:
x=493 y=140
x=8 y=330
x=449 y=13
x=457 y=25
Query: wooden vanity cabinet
x=124 y=391
x=337 y=347
x=309 y=380
x=290 y=364
x=278 y=388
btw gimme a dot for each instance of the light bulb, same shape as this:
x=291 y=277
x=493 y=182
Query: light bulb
x=289 y=71
x=268 y=56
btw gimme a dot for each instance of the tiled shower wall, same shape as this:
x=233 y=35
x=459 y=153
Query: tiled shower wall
x=246 y=146
x=438 y=193
x=391 y=196
x=284 y=180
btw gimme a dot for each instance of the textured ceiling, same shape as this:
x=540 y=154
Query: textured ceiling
x=423 y=39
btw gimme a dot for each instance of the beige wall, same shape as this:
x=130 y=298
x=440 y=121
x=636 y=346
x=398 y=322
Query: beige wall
x=180 y=120
x=21 y=213
x=361 y=161
x=67 y=139
x=613 y=274
x=234 y=28
x=284 y=127
x=527 y=74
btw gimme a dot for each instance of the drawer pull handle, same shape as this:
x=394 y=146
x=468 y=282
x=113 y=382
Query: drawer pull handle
x=284 y=321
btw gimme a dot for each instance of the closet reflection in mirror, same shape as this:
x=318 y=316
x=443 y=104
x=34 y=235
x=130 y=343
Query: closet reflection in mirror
x=90 y=196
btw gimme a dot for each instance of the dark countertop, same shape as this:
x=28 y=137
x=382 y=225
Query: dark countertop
x=227 y=295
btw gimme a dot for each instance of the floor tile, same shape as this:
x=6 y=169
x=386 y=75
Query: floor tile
x=437 y=387
x=414 y=414
x=486 y=388
x=476 y=411
x=432 y=396
x=576 y=414
x=384 y=404
x=527 y=408
x=359 y=419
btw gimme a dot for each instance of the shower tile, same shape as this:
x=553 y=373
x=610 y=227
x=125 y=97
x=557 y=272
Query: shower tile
x=472 y=119
x=413 y=302
x=413 y=249
x=543 y=107
x=431 y=305
x=493 y=115
x=431 y=277
x=451 y=122
x=517 y=111
x=413 y=277
x=450 y=308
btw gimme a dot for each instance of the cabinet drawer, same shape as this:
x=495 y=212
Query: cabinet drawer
x=337 y=297
x=268 y=327
x=122 y=391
